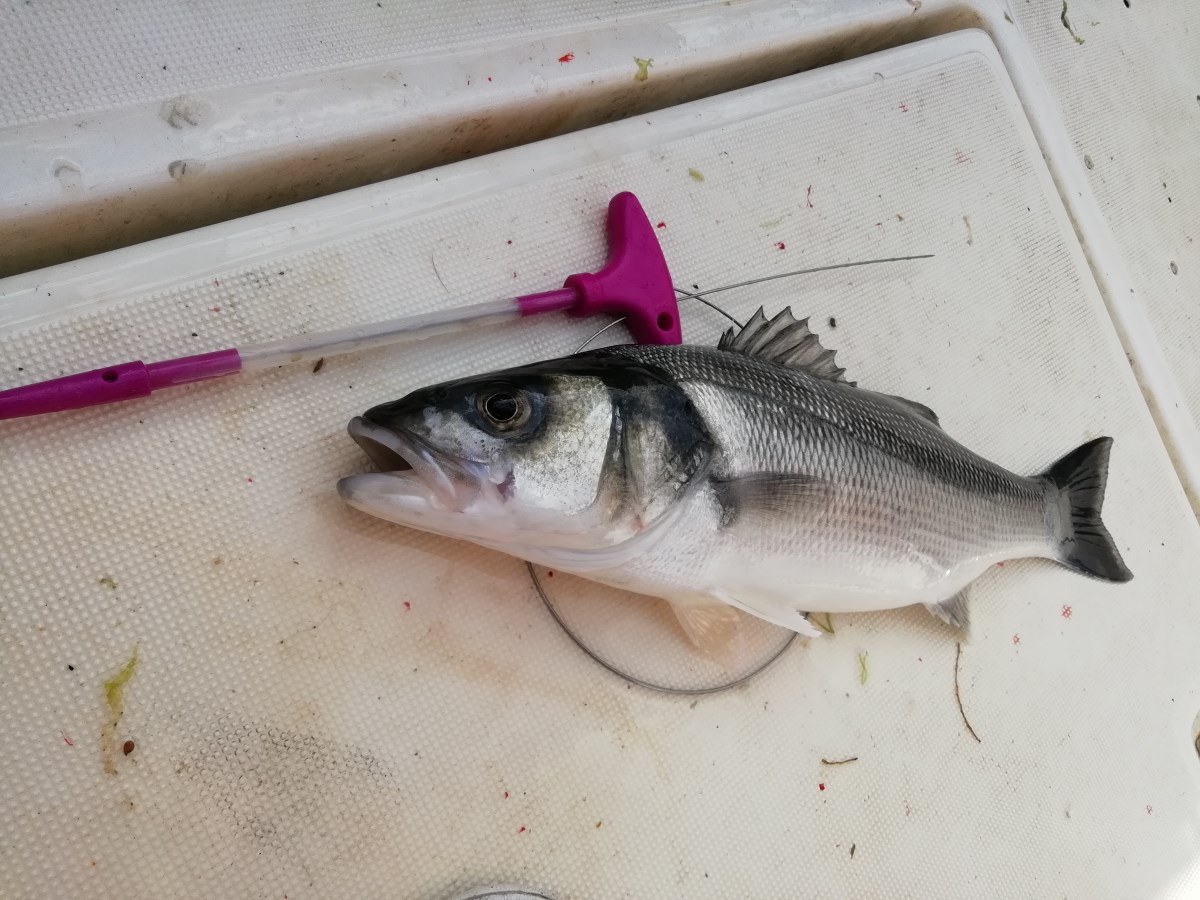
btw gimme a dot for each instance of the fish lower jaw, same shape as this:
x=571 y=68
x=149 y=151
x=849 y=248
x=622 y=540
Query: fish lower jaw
x=382 y=494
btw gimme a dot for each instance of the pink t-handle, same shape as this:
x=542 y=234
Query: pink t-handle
x=634 y=284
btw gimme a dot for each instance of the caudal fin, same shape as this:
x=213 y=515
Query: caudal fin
x=1085 y=544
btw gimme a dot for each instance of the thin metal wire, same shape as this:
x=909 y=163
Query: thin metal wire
x=537 y=583
x=699 y=295
x=815 y=269
x=611 y=324
x=709 y=304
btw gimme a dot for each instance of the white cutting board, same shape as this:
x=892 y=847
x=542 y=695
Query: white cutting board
x=329 y=706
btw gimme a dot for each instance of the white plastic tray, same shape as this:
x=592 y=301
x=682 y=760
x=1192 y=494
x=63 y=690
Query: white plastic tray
x=298 y=730
x=121 y=125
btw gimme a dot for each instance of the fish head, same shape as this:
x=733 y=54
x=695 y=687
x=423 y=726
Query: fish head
x=580 y=454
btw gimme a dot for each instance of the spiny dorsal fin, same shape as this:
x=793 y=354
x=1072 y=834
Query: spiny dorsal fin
x=786 y=341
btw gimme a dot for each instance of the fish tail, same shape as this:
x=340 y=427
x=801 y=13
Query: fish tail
x=1076 y=484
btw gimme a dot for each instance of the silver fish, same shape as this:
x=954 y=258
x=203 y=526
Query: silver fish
x=751 y=476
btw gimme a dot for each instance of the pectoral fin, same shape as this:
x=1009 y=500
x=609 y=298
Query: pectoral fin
x=710 y=627
x=953 y=611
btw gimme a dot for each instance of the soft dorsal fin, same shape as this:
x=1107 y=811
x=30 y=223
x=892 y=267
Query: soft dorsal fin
x=785 y=341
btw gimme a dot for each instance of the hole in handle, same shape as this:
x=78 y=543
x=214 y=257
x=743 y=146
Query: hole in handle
x=111 y=375
x=665 y=321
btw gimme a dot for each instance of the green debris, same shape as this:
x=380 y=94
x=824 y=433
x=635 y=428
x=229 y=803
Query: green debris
x=770 y=223
x=862 y=668
x=696 y=174
x=107 y=582
x=1067 y=24
x=1008 y=18
x=826 y=624
x=114 y=697
x=643 y=71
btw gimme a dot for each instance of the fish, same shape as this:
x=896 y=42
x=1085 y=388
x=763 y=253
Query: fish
x=749 y=476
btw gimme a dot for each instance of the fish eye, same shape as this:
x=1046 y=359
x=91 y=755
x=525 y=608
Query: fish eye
x=504 y=409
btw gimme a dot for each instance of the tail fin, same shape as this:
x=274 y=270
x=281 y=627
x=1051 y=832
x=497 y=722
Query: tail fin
x=1085 y=544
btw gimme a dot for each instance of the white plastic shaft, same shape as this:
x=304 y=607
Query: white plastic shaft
x=346 y=340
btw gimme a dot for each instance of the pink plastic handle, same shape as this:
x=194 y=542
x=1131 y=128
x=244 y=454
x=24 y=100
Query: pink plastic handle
x=125 y=381
x=635 y=283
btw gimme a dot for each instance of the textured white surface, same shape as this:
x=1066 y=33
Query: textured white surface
x=75 y=59
x=179 y=116
x=299 y=730
x=1130 y=99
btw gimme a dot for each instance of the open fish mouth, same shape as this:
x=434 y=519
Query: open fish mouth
x=408 y=468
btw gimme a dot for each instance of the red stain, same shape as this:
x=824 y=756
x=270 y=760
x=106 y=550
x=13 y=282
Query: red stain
x=407 y=606
x=489 y=78
x=510 y=242
x=1066 y=611
x=521 y=830
x=550 y=574
x=249 y=480
x=66 y=739
x=1016 y=639
x=960 y=157
x=506 y=795
x=661 y=225
x=781 y=245
x=821 y=786
x=808 y=197
x=1000 y=565
x=566 y=57
x=903 y=106
x=215 y=308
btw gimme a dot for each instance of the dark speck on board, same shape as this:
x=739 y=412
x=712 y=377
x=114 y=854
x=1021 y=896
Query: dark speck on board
x=127 y=747
x=832 y=322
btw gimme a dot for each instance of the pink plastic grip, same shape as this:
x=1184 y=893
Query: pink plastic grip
x=635 y=283
x=125 y=381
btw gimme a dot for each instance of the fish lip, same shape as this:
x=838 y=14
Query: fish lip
x=404 y=456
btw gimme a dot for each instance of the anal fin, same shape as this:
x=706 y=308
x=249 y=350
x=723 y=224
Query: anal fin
x=953 y=611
